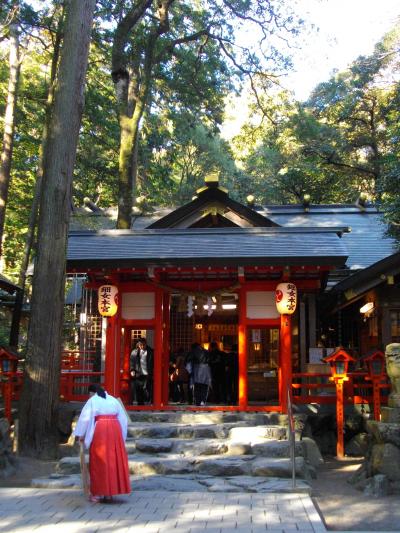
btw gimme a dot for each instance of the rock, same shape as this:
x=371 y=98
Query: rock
x=390 y=415
x=201 y=447
x=377 y=486
x=166 y=483
x=358 y=445
x=153 y=445
x=206 y=432
x=385 y=459
x=252 y=434
x=327 y=442
x=281 y=467
x=237 y=448
x=60 y=482
x=359 y=478
x=145 y=465
x=247 y=483
x=153 y=431
x=384 y=432
x=279 y=448
x=66 y=415
x=69 y=465
x=232 y=466
x=311 y=452
x=354 y=423
x=223 y=486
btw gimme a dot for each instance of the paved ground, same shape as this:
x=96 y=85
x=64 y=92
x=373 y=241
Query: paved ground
x=341 y=506
x=44 y=510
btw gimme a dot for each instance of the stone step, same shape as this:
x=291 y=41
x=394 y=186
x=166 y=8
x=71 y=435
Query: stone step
x=192 y=448
x=238 y=431
x=212 y=465
x=250 y=465
x=210 y=417
x=187 y=483
x=206 y=451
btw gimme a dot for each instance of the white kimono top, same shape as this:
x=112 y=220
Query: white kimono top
x=96 y=405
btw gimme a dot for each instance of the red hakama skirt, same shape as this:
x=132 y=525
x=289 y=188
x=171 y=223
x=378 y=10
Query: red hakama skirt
x=108 y=460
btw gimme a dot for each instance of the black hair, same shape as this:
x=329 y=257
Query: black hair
x=97 y=389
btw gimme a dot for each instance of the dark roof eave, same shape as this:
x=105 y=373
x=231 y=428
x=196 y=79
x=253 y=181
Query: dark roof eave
x=88 y=263
x=388 y=265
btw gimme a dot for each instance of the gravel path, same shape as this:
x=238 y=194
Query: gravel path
x=343 y=508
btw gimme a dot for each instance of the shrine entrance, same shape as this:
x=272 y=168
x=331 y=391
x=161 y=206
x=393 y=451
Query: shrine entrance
x=212 y=323
x=263 y=365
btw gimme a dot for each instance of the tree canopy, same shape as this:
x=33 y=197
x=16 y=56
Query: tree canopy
x=342 y=141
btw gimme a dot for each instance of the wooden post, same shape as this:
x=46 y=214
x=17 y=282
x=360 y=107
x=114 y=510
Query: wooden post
x=110 y=362
x=285 y=367
x=166 y=348
x=158 y=351
x=339 y=418
x=376 y=391
x=242 y=351
x=126 y=377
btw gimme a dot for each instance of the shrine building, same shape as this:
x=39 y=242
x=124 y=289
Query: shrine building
x=207 y=272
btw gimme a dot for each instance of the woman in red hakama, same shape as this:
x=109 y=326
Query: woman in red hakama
x=103 y=425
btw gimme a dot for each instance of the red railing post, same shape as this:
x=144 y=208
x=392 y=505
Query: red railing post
x=376 y=395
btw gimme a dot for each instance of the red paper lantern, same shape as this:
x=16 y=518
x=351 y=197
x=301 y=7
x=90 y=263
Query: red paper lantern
x=286 y=298
x=108 y=300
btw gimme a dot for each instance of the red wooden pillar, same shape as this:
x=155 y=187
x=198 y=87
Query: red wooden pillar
x=111 y=376
x=285 y=369
x=339 y=418
x=242 y=350
x=376 y=391
x=158 y=350
x=166 y=348
x=126 y=377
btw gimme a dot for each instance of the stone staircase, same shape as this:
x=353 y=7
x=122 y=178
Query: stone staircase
x=207 y=451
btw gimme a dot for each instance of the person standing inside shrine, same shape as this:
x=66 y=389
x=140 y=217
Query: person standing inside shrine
x=200 y=375
x=217 y=364
x=102 y=426
x=141 y=366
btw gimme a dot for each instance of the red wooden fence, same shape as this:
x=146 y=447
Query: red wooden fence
x=77 y=373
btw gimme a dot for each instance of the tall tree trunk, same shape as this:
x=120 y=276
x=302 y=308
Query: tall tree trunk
x=9 y=125
x=130 y=123
x=40 y=395
x=128 y=162
x=33 y=216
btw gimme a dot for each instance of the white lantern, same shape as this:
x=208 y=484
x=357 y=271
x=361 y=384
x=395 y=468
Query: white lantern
x=286 y=298
x=108 y=300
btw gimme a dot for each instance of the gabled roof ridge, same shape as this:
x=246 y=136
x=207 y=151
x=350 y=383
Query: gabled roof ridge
x=212 y=231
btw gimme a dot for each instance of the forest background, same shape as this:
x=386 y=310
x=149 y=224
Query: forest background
x=158 y=79
x=342 y=141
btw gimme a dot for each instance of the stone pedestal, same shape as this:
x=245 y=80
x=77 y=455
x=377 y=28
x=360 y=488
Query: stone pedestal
x=390 y=415
x=380 y=472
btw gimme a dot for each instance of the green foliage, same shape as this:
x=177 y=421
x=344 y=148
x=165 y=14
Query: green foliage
x=178 y=153
x=30 y=118
x=340 y=142
x=343 y=140
x=96 y=170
